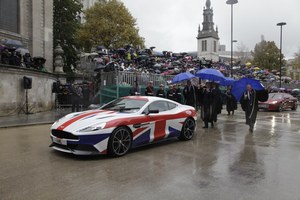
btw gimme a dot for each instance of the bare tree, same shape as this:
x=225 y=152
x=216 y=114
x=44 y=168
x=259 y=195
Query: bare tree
x=243 y=53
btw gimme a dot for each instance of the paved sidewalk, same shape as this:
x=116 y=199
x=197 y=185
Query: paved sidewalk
x=32 y=119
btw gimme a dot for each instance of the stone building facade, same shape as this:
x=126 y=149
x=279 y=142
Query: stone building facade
x=31 y=22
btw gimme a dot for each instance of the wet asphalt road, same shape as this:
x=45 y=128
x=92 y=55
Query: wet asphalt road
x=224 y=162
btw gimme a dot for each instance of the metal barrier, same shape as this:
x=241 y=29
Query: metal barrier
x=129 y=78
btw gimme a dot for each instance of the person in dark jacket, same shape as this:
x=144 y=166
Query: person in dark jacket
x=149 y=89
x=135 y=90
x=76 y=97
x=177 y=93
x=231 y=103
x=161 y=91
x=170 y=93
x=217 y=101
x=189 y=93
x=249 y=103
x=207 y=112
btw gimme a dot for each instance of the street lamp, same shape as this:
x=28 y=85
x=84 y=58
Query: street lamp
x=280 y=60
x=231 y=2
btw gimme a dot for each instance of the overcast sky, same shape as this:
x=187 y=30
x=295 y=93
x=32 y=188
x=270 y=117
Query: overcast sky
x=173 y=24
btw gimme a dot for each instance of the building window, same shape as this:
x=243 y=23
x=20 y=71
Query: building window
x=9 y=15
x=215 y=46
x=204 y=45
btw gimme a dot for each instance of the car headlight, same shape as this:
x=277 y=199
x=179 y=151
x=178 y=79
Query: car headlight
x=92 y=128
x=274 y=102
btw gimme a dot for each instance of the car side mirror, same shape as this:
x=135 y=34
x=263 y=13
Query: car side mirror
x=152 y=112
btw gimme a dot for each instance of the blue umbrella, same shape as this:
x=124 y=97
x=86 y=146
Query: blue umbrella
x=182 y=77
x=239 y=87
x=211 y=75
x=227 y=81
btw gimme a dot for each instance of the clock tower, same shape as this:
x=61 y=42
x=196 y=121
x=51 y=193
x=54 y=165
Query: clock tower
x=208 y=37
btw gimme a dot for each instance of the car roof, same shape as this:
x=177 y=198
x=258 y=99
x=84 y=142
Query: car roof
x=148 y=98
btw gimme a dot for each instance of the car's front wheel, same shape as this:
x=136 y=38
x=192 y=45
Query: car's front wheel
x=119 y=142
x=188 y=129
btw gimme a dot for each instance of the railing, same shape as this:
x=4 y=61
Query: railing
x=129 y=78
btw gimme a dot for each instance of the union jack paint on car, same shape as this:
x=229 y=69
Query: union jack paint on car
x=123 y=124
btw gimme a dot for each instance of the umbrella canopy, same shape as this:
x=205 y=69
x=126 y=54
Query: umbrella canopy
x=2 y=47
x=182 y=77
x=12 y=43
x=240 y=86
x=22 y=50
x=248 y=64
x=228 y=81
x=211 y=75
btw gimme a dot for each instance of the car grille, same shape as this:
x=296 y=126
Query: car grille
x=64 y=135
x=78 y=147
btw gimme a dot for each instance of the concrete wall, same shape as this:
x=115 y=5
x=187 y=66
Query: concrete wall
x=12 y=94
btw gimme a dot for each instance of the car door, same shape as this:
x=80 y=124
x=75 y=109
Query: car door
x=159 y=119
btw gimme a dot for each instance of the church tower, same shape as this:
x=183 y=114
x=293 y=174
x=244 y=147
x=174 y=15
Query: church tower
x=208 y=37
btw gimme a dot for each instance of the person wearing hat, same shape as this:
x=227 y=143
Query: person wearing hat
x=170 y=93
x=161 y=91
x=149 y=89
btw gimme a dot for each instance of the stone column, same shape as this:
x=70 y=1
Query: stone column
x=58 y=60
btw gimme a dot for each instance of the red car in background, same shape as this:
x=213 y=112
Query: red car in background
x=279 y=102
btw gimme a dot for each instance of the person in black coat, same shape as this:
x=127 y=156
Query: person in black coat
x=249 y=103
x=149 y=89
x=135 y=90
x=170 y=93
x=161 y=91
x=207 y=105
x=231 y=103
x=217 y=101
x=177 y=94
x=189 y=93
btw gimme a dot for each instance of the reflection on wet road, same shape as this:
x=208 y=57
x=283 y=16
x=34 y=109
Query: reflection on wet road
x=224 y=162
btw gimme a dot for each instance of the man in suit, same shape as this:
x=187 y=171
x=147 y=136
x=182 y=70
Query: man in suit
x=249 y=103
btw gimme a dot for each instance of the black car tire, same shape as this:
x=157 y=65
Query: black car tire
x=295 y=106
x=120 y=142
x=188 y=129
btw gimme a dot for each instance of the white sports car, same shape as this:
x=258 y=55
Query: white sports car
x=122 y=124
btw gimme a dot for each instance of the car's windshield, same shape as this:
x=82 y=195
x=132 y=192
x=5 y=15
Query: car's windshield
x=125 y=105
x=275 y=96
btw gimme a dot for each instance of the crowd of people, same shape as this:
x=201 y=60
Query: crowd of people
x=76 y=95
x=168 y=63
x=20 y=57
x=208 y=98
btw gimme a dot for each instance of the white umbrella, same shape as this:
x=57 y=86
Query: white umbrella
x=22 y=50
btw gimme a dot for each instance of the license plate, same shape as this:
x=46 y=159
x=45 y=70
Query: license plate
x=59 y=141
x=263 y=106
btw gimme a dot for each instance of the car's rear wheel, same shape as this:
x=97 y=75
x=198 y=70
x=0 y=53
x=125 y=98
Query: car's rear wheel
x=119 y=142
x=188 y=129
x=295 y=106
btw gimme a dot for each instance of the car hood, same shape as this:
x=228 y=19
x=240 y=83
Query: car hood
x=78 y=121
x=270 y=101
